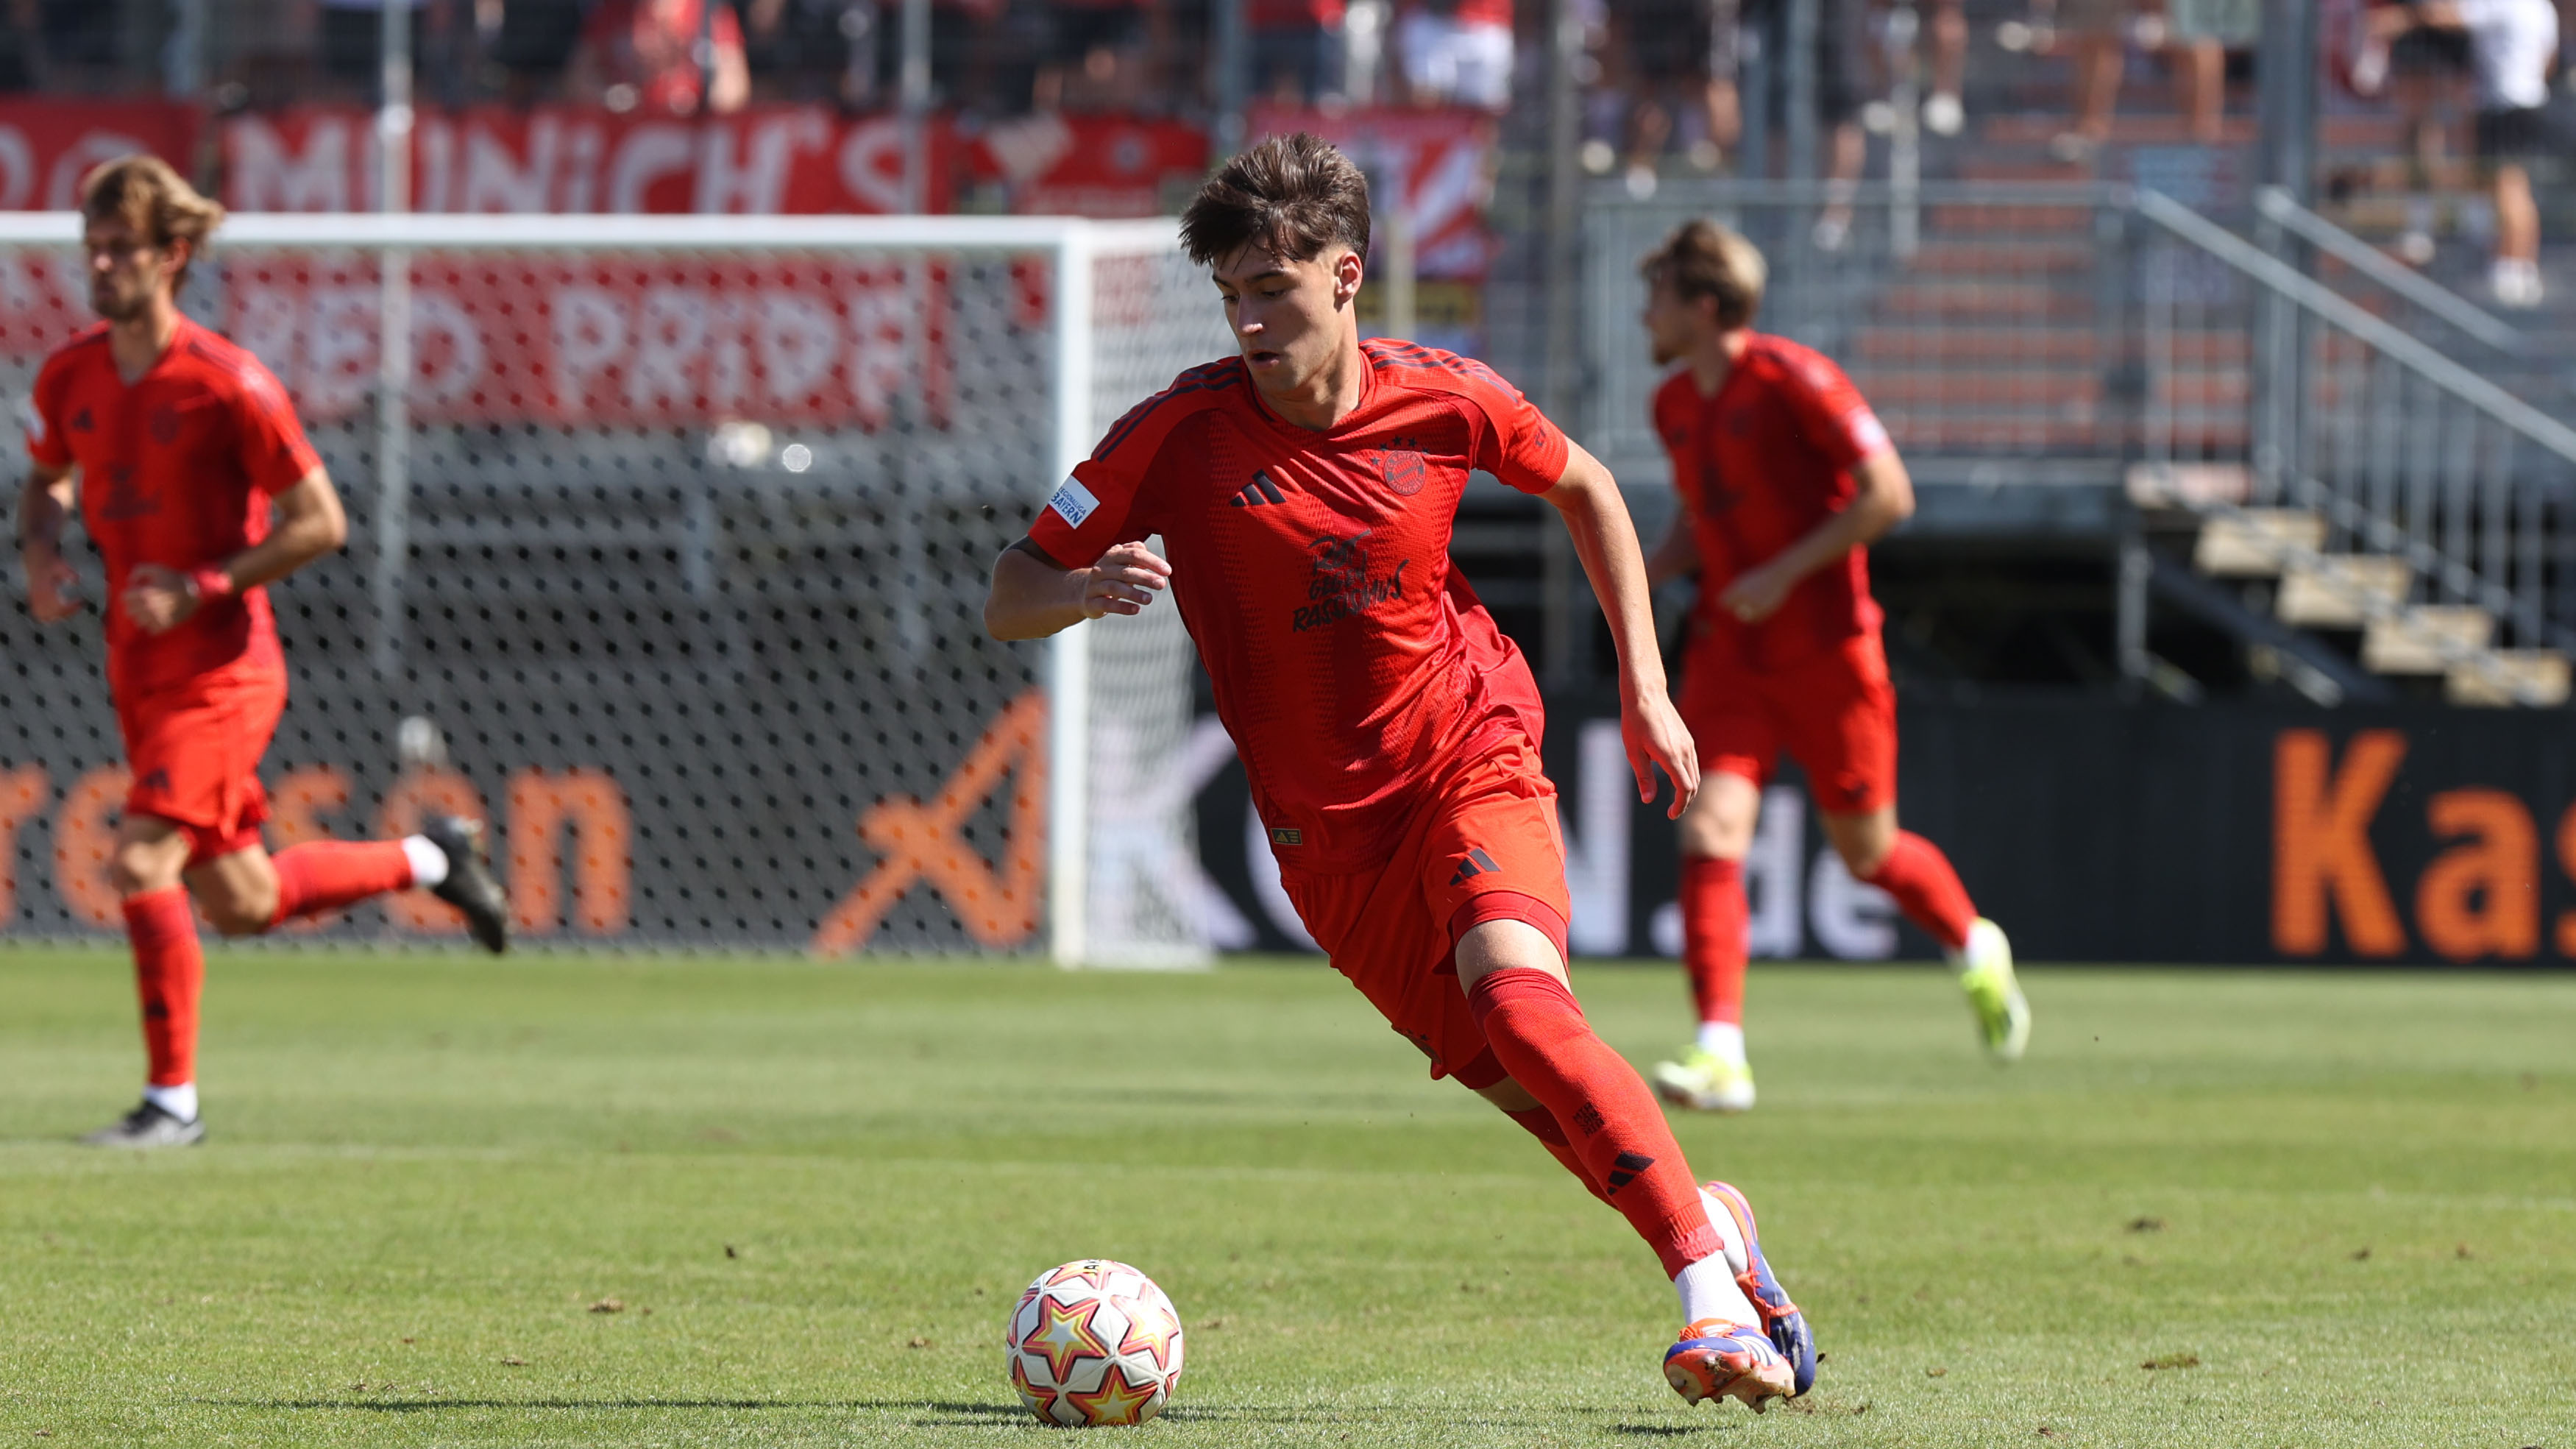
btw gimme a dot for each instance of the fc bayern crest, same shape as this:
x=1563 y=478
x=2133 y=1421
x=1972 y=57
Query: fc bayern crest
x=1405 y=471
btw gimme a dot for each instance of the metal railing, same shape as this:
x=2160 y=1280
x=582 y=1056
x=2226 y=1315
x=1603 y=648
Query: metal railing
x=2404 y=451
x=2060 y=334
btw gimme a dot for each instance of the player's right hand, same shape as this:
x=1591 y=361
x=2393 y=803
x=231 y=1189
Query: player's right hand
x=1124 y=581
x=52 y=585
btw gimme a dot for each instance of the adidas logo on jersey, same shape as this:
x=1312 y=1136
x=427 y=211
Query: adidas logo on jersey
x=1256 y=493
x=1473 y=864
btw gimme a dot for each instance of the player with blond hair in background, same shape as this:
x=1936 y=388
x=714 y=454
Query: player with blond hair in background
x=1782 y=478
x=196 y=483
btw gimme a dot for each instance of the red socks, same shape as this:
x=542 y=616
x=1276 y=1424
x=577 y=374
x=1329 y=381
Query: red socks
x=1927 y=890
x=325 y=875
x=1714 y=921
x=1619 y=1134
x=1542 y=1124
x=169 y=976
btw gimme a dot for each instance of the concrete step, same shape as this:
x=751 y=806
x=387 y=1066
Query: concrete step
x=2018 y=221
x=2128 y=128
x=2341 y=591
x=2424 y=639
x=1974 y=390
x=2249 y=544
x=2196 y=485
x=1985 y=301
x=2002 y=257
x=1995 y=341
x=1982 y=346
x=2516 y=676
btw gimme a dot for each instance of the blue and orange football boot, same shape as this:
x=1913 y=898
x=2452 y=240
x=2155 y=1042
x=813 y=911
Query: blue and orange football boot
x=1716 y=1359
x=1781 y=1319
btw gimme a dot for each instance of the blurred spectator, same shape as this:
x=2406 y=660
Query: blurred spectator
x=667 y=56
x=531 y=42
x=81 y=44
x=2513 y=45
x=1456 y=52
x=2201 y=33
x=1297 y=49
x=2426 y=71
x=1100 y=54
x=352 y=42
x=2094 y=33
x=1842 y=89
x=1670 y=52
x=18 y=46
x=809 y=50
x=1944 y=112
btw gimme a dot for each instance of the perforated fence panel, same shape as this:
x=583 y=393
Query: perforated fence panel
x=678 y=582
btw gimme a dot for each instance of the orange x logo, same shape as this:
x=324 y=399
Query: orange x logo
x=917 y=842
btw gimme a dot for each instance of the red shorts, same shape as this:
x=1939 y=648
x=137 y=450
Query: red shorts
x=1835 y=713
x=1484 y=848
x=194 y=748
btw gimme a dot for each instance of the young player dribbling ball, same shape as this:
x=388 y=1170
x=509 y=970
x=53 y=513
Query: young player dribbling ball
x=1783 y=479
x=198 y=486
x=1305 y=491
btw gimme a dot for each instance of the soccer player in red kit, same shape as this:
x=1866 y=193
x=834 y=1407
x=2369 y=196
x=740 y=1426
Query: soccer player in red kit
x=1305 y=492
x=1783 y=478
x=180 y=448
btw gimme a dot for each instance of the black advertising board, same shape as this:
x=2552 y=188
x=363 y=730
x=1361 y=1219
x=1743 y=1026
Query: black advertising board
x=2100 y=832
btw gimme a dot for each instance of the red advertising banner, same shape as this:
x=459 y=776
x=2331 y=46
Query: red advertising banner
x=767 y=160
x=609 y=340
x=46 y=146
x=1440 y=164
x=1078 y=165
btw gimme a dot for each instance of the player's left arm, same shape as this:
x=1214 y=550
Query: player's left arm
x=1605 y=538
x=1883 y=498
x=307 y=522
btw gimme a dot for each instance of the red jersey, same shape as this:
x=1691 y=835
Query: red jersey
x=1760 y=466
x=1351 y=664
x=176 y=469
x=654 y=49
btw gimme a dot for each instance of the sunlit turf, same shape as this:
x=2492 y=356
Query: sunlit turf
x=2335 y=1209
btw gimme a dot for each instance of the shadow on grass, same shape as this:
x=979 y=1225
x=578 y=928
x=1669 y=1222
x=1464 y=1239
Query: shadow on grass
x=962 y=1413
x=934 y=1413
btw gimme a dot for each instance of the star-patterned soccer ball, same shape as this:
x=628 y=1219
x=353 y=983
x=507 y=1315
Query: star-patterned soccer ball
x=1094 y=1342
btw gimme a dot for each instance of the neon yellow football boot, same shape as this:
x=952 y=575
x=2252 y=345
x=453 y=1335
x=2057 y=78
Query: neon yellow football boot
x=1705 y=1082
x=1986 y=973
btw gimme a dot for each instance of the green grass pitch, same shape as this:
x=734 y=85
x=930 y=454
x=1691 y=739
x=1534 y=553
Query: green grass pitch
x=2329 y=1209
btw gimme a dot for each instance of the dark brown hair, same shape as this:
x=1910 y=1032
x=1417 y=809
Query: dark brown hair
x=145 y=194
x=1291 y=195
x=1703 y=259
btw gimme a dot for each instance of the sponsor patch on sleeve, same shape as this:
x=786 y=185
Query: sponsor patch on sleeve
x=1073 y=503
x=1868 y=434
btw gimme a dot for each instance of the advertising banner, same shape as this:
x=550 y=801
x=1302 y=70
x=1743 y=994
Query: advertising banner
x=2092 y=832
x=581 y=159
x=1057 y=164
x=46 y=146
x=608 y=340
x=1439 y=165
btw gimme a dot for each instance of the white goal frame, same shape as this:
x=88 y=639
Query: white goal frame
x=1072 y=244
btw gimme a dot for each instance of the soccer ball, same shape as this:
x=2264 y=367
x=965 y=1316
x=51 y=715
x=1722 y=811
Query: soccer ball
x=1094 y=1342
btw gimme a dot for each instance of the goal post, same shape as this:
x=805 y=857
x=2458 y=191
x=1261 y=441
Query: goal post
x=694 y=513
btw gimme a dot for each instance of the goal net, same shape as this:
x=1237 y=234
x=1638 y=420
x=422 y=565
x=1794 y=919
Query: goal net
x=669 y=541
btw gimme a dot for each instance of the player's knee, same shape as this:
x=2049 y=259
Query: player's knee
x=1712 y=837
x=1509 y=1095
x=1864 y=863
x=237 y=913
x=1865 y=852
x=137 y=867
